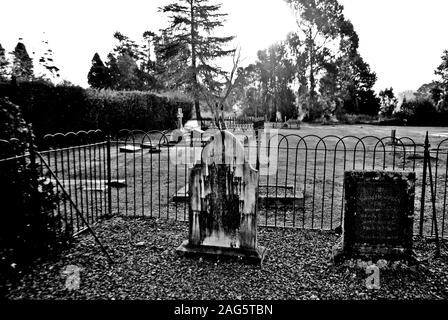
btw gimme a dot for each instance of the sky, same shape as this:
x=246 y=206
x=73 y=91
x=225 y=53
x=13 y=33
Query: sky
x=402 y=40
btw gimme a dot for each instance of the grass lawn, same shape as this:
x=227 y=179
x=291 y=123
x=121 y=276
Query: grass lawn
x=312 y=167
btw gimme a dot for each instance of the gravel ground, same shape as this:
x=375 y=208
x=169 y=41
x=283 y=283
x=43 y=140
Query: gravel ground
x=297 y=266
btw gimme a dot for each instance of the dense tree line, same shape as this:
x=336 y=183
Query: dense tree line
x=18 y=65
x=317 y=71
x=429 y=104
x=181 y=57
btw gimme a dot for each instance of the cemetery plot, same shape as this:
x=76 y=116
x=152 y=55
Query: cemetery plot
x=304 y=175
x=223 y=193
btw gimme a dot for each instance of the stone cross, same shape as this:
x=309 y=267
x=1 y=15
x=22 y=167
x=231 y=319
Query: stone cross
x=180 y=115
x=223 y=195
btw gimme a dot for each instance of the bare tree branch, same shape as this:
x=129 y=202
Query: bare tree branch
x=216 y=102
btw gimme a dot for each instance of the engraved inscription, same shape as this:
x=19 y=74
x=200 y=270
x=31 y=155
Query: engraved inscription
x=378 y=215
x=379 y=212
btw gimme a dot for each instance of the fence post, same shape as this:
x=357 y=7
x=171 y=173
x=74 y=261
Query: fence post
x=257 y=138
x=422 y=199
x=109 y=178
x=433 y=202
x=36 y=206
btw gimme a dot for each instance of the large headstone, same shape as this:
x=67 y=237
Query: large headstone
x=223 y=193
x=379 y=215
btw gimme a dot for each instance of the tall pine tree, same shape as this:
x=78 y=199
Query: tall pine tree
x=22 y=64
x=98 y=76
x=3 y=64
x=192 y=23
x=49 y=72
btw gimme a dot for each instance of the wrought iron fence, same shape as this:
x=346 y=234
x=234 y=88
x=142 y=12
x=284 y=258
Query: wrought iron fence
x=138 y=173
x=42 y=179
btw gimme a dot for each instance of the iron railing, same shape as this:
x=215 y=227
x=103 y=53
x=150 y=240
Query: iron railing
x=64 y=216
x=138 y=173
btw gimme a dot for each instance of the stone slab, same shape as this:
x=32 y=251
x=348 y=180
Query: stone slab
x=130 y=149
x=252 y=256
x=379 y=215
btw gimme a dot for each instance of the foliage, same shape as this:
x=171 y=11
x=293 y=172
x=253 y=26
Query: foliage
x=129 y=64
x=20 y=67
x=388 y=102
x=421 y=112
x=22 y=64
x=50 y=108
x=440 y=92
x=316 y=72
x=189 y=38
x=29 y=229
x=99 y=76
x=69 y=108
x=318 y=25
x=4 y=63
x=46 y=61
x=114 y=110
x=13 y=127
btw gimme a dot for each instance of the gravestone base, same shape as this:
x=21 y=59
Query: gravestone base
x=372 y=253
x=251 y=256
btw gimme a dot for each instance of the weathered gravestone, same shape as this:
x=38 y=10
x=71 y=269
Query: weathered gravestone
x=223 y=194
x=378 y=217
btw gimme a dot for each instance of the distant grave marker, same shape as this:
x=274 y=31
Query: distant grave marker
x=379 y=215
x=117 y=183
x=129 y=149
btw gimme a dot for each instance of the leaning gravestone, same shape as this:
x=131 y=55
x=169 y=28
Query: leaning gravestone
x=223 y=194
x=378 y=217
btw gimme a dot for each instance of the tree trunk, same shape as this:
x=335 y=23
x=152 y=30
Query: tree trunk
x=312 y=94
x=193 y=64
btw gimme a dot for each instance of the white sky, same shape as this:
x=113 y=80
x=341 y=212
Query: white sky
x=402 y=40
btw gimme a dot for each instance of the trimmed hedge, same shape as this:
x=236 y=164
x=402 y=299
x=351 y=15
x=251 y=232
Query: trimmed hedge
x=133 y=110
x=54 y=109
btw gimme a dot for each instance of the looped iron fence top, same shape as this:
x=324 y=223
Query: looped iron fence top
x=301 y=176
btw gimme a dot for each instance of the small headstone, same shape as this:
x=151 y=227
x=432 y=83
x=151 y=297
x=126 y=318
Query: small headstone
x=130 y=149
x=378 y=217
